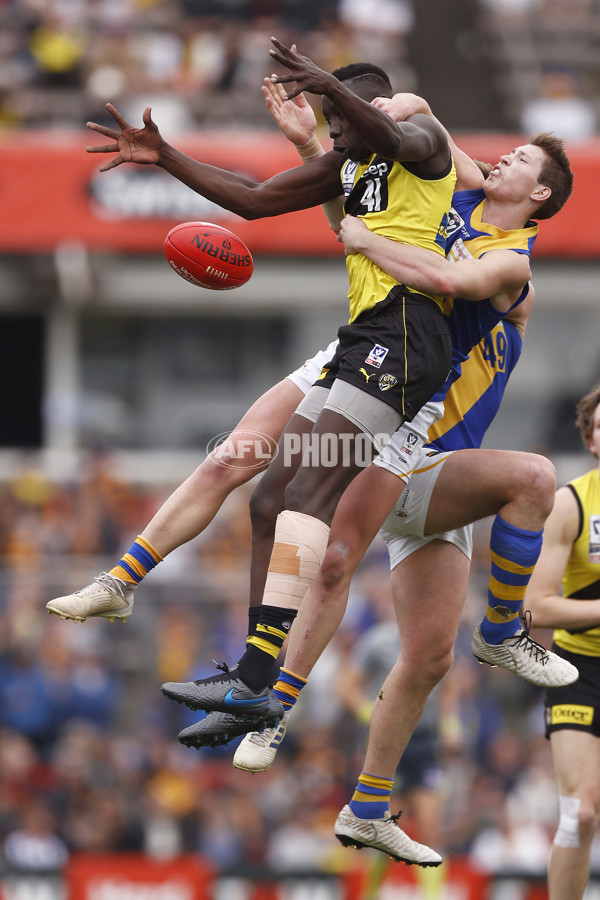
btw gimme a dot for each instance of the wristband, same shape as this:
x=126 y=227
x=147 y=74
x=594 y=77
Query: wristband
x=312 y=148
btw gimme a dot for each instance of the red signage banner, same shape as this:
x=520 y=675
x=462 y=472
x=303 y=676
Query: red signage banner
x=126 y=876
x=51 y=193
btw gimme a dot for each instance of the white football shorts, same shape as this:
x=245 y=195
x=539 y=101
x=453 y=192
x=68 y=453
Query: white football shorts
x=404 y=529
x=307 y=374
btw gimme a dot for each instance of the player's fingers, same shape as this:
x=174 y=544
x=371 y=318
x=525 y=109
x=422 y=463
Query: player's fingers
x=275 y=92
x=102 y=129
x=282 y=79
x=279 y=90
x=110 y=164
x=105 y=148
x=119 y=119
x=281 y=47
x=278 y=57
x=293 y=94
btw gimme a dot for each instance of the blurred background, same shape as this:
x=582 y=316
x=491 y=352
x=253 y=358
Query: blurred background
x=116 y=373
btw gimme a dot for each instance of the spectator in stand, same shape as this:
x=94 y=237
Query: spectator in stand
x=34 y=846
x=560 y=107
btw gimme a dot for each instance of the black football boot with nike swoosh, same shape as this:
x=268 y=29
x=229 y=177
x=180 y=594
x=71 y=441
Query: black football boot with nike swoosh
x=226 y=693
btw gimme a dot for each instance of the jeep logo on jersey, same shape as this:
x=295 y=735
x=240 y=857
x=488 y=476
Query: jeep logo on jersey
x=370 y=193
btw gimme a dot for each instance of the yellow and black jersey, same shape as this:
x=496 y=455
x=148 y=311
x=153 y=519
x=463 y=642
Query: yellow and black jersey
x=581 y=580
x=395 y=202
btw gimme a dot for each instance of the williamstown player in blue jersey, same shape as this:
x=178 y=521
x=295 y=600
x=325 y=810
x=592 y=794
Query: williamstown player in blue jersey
x=431 y=591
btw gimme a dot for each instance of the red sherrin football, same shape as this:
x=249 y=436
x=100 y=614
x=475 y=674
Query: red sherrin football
x=208 y=255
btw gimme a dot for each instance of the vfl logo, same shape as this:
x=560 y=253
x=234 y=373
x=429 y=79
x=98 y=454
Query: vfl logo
x=410 y=442
x=348 y=175
x=594 y=550
x=377 y=356
x=323 y=374
x=387 y=381
x=454 y=222
x=366 y=374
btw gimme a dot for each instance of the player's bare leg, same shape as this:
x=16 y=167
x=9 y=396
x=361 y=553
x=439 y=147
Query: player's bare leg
x=518 y=488
x=429 y=589
x=354 y=526
x=577 y=763
x=192 y=506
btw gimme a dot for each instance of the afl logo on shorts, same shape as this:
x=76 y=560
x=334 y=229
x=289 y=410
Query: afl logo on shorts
x=387 y=381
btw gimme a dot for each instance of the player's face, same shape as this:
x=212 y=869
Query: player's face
x=345 y=139
x=595 y=438
x=515 y=176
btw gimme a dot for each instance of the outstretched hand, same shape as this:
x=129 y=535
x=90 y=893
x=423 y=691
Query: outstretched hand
x=138 y=145
x=307 y=75
x=296 y=120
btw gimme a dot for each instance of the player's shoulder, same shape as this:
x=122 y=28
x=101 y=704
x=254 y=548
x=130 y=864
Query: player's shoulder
x=567 y=513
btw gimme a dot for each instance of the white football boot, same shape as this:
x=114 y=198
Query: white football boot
x=526 y=658
x=385 y=835
x=106 y=597
x=259 y=748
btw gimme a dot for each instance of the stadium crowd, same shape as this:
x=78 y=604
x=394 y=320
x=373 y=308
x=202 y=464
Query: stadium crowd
x=199 y=63
x=88 y=755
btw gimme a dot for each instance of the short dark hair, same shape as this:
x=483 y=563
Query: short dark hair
x=584 y=419
x=484 y=167
x=367 y=71
x=556 y=174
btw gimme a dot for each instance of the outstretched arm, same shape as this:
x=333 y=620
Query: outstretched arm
x=500 y=275
x=402 y=106
x=297 y=122
x=420 y=139
x=297 y=188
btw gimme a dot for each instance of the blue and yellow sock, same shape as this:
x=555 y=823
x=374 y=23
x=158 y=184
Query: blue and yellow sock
x=371 y=797
x=514 y=553
x=288 y=688
x=134 y=565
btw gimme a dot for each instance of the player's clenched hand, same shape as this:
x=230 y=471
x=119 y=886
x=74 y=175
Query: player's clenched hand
x=353 y=234
x=296 y=120
x=307 y=75
x=401 y=106
x=138 y=145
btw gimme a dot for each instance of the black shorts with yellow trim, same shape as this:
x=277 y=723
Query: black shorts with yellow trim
x=399 y=351
x=576 y=706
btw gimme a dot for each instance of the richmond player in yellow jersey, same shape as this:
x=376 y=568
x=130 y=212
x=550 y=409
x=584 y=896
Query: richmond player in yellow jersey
x=564 y=594
x=398 y=336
